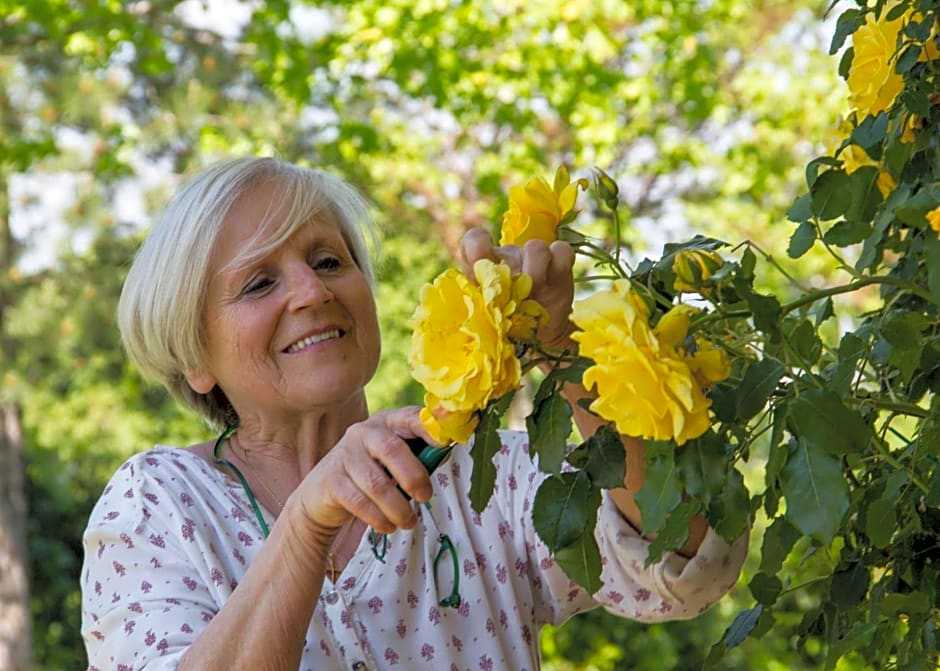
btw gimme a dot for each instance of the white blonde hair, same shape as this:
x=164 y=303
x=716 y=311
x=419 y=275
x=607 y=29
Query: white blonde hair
x=161 y=313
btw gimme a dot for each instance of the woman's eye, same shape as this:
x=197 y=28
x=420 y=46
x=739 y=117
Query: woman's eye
x=257 y=285
x=327 y=263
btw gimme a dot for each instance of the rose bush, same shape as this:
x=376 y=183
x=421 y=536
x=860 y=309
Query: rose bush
x=836 y=406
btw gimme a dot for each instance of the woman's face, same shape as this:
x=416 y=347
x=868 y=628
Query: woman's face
x=294 y=331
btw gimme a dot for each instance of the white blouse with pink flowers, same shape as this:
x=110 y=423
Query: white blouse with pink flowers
x=172 y=536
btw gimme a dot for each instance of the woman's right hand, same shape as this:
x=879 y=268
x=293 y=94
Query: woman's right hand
x=362 y=473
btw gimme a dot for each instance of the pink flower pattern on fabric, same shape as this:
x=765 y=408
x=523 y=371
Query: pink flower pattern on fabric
x=171 y=538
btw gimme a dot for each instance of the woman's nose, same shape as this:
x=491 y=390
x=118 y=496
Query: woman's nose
x=306 y=288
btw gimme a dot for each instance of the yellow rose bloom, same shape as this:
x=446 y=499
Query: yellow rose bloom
x=461 y=349
x=537 y=209
x=693 y=267
x=873 y=83
x=933 y=218
x=708 y=363
x=446 y=426
x=644 y=383
x=855 y=157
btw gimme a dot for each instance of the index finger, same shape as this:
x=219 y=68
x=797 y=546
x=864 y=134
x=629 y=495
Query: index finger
x=476 y=244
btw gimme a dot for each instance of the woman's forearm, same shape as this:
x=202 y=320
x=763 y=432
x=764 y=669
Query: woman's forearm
x=625 y=498
x=264 y=623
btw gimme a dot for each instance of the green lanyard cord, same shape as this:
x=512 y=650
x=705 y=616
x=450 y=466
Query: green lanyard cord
x=379 y=541
x=229 y=431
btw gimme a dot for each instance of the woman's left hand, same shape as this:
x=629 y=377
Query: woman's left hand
x=549 y=266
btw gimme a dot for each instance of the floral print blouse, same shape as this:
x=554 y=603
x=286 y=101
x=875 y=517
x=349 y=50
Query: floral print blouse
x=171 y=537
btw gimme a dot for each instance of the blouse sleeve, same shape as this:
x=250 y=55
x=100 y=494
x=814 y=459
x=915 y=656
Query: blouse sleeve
x=143 y=600
x=673 y=588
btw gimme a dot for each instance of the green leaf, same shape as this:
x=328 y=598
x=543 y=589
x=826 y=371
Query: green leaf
x=851 y=350
x=844 y=233
x=903 y=329
x=728 y=512
x=486 y=444
x=549 y=426
x=849 y=585
x=748 y=264
x=660 y=493
x=933 y=496
x=845 y=63
x=908 y=59
x=603 y=458
x=674 y=534
x=765 y=588
x=779 y=539
x=819 y=417
x=881 y=522
x=866 y=196
x=759 y=382
x=831 y=194
x=766 y=313
x=871 y=131
x=565 y=508
x=912 y=603
x=860 y=635
x=932 y=261
x=805 y=342
x=581 y=562
x=802 y=239
x=702 y=463
x=742 y=626
x=822 y=310
x=801 y=211
x=816 y=492
x=847 y=24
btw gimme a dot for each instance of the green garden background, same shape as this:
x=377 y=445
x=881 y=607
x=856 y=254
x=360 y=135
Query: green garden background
x=706 y=114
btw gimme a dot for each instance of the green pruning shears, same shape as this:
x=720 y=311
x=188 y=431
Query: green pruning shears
x=430 y=457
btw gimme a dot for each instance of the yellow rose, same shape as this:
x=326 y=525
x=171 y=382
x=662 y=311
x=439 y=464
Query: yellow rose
x=873 y=83
x=708 y=363
x=693 y=267
x=446 y=426
x=933 y=218
x=855 y=157
x=461 y=349
x=536 y=210
x=644 y=384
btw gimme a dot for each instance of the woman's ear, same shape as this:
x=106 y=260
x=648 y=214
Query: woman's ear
x=200 y=381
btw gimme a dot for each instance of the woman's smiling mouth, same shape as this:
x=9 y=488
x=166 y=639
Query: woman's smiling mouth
x=313 y=339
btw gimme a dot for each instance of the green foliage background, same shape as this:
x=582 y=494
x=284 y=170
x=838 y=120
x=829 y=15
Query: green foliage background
x=706 y=113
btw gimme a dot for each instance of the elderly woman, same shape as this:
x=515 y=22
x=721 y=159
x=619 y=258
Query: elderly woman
x=296 y=540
